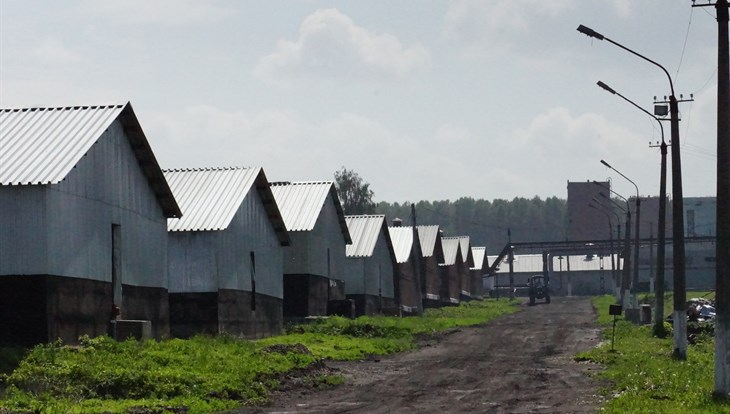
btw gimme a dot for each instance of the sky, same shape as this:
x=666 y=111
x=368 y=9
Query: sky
x=424 y=99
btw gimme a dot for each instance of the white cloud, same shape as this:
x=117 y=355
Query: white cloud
x=486 y=28
x=164 y=12
x=52 y=51
x=331 y=45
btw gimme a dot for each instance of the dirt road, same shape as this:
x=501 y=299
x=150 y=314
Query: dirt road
x=520 y=363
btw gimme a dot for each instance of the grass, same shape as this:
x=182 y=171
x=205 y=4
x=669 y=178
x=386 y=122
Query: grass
x=642 y=375
x=206 y=374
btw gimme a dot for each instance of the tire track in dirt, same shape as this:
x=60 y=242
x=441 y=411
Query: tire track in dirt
x=518 y=363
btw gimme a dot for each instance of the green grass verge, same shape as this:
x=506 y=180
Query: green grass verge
x=206 y=374
x=643 y=376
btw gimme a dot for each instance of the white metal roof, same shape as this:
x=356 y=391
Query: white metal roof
x=402 y=238
x=479 y=255
x=41 y=145
x=451 y=247
x=300 y=203
x=208 y=197
x=429 y=236
x=364 y=230
x=465 y=246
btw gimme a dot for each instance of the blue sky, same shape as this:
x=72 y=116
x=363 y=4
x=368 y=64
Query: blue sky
x=424 y=99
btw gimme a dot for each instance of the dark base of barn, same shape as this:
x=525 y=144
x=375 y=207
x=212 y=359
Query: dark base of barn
x=308 y=295
x=234 y=312
x=42 y=308
x=371 y=304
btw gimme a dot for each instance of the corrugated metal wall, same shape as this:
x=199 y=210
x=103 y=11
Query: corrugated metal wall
x=212 y=260
x=308 y=251
x=23 y=241
x=106 y=187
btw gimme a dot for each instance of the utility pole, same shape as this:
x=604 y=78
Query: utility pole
x=416 y=260
x=511 y=260
x=722 y=253
x=661 y=249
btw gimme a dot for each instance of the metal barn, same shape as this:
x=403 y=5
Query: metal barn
x=83 y=224
x=433 y=255
x=451 y=271
x=225 y=254
x=314 y=264
x=464 y=273
x=370 y=264
x=408 y=257
x=478 y=271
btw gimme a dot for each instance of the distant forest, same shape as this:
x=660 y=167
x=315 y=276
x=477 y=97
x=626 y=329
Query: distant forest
x=487 y=222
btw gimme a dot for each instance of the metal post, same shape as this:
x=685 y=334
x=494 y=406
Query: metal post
x=511 y=266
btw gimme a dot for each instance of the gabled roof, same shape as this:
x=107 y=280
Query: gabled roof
x=301 y=202
x=210 y=198
x=465 y=246
x=402 y=238
x=42 y=145
x=364 y=230
x=480 y=258
x=451 y=246
x=429 y=237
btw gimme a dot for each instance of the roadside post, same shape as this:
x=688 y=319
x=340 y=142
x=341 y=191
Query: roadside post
x=614 y=310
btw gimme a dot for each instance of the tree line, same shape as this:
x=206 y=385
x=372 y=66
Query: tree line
x=486 y=222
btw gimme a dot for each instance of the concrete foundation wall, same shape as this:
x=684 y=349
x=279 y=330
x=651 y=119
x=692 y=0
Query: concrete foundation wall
x=306 y=295
x=41 y=308
x=150 y=304
x=226 y=311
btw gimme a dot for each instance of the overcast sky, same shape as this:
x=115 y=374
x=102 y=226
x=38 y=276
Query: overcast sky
x=426 y=100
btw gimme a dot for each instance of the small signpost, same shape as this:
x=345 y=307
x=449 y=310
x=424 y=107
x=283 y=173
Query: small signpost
x=614 y=310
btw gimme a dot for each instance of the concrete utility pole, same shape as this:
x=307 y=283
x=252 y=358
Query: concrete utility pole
x=511 y=260
x=722 y=253
x=680 y=291
x=416 y=260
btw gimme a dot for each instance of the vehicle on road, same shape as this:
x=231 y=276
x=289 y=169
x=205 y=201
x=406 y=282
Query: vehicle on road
x=539 y=288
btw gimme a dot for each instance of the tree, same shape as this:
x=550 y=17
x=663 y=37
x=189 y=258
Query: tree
x=355 y=194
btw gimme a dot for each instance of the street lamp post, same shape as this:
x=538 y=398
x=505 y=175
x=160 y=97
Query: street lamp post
x=610 y=236
x=680 y=294
x=625 y=276
x=661 y=234
x=635 y=279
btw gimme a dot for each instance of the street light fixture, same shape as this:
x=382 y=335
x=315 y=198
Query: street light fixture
x=680 y=294
x=635 y=280
x=625 y=277
x=661 y=253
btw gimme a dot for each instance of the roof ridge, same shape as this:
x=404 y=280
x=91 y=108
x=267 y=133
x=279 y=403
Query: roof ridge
x=59 y=108
x=198 y=169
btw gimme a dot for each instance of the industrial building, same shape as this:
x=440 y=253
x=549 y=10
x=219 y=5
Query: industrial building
x=369 y=269
x=314 y=264
x=83 y=229
x=225 y=255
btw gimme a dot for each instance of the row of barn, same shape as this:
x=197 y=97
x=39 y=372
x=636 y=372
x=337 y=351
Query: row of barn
x=92 y=230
